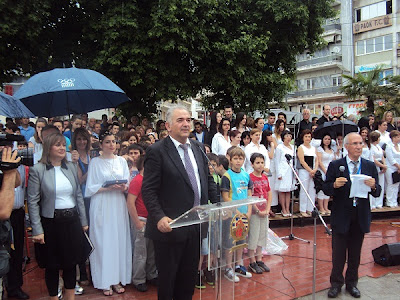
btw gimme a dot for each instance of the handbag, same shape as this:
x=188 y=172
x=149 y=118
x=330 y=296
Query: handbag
x=395 y=177
x=87 y=246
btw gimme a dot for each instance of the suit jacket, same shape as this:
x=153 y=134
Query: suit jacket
x=42 y=193
x=166 y=188
x=342 y=205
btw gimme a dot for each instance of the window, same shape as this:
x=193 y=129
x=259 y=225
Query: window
x=369 y=46
x=360 y=47
x=337 y=80
x=388 y=42
x=372 y=11
x=385 y=74
x=310 y=83
x=377 y=44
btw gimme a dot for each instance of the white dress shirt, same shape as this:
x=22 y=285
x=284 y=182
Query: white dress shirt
x=181 y=153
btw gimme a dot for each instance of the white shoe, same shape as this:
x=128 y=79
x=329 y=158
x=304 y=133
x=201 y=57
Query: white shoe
x=230 y=275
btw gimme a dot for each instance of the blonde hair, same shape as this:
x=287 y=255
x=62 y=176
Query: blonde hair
x=49 y=142
x=385 y=115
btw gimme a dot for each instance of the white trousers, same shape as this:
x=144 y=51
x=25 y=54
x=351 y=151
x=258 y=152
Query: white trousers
x=378 y=201
x=392 y=190
x=308 y=183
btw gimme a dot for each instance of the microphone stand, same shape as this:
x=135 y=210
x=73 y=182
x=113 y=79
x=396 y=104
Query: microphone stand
x=315 y=214
x=218 y=273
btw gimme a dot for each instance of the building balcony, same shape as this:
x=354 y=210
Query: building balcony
x=333 y=60
x=332 y=27
x=314 y=92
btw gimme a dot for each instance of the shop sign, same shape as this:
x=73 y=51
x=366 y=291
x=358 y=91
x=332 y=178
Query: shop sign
x=371 y=24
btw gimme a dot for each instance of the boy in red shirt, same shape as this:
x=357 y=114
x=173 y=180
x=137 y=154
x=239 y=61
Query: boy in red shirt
x=259 y=216
x=144 y=265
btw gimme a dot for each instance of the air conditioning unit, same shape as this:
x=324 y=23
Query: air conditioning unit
x=338 y=38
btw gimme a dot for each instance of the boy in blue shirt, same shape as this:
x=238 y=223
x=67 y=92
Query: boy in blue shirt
x=236 y=185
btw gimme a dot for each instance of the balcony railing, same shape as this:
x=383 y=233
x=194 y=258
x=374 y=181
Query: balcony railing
x=330 y=27
x=320 y=60
x=318 y=91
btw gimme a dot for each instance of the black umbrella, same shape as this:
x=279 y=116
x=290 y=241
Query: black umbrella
x=334 y=128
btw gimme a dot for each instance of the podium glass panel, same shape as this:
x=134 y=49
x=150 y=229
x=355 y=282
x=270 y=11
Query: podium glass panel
x=228 y=228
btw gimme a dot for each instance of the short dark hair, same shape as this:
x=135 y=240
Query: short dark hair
x=256 y=155
x=282 y=114
x=271 y=114
x=135 y=147
x=197 y=123
x=213 y=157
x=228 y=106
x=222 y=160
x=305 y=132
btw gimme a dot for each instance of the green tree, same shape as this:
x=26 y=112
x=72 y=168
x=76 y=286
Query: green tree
x=38 y=36
x=392 y=101
x=239 y=52
x=369 y=87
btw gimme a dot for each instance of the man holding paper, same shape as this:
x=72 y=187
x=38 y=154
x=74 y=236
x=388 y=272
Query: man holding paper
x=351 y=217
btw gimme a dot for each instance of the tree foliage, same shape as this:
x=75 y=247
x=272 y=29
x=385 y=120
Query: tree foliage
x=370 y=87
x=241 y=52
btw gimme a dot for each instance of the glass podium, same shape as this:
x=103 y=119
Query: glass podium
x=226 y=238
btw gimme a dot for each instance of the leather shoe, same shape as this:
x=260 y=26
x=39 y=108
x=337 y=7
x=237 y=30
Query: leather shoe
x=354 y=291
x=18 y=293
x=333 y=292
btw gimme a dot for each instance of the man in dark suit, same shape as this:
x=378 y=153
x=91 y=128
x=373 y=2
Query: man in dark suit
x=351 y=217
x=176 y=178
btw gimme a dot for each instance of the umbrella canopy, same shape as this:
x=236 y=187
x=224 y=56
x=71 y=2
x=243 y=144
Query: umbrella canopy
x=13 y=108
x=69 y=91
x=335 y=127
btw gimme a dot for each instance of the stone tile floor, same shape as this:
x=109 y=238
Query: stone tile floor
x=291 y=272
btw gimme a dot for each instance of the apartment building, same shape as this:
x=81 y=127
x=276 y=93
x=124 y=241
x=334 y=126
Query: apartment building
x=363 y=35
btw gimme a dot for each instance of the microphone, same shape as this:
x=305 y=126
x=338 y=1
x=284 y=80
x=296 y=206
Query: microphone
x=288 y=157
x=341 y=170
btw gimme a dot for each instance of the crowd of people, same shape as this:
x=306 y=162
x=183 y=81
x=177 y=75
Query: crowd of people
x=67 y=190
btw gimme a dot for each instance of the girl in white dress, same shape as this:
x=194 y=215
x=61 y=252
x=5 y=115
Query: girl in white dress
x=221 y=141
x=279 y=128
x=325 y=155
x=381 y=167
x=256 y=147
x=393 y=162
x=111 y=260
x=307 y=171
x=241 y=122
x=284 y=174
x=366 y=152
x=267 y=141
x=35 y=142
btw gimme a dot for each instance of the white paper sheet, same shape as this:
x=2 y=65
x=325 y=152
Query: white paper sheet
x=358 y=188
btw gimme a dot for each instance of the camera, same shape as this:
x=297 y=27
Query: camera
x=25 y=154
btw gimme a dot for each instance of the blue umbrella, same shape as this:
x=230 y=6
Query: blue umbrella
x=13 y=108
x=69 y=91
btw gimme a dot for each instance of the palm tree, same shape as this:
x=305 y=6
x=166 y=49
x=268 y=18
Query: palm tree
x=368 y=86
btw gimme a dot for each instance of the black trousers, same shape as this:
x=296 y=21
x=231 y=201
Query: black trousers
x=348 y=246
x=177 y=268
x=14 y=276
